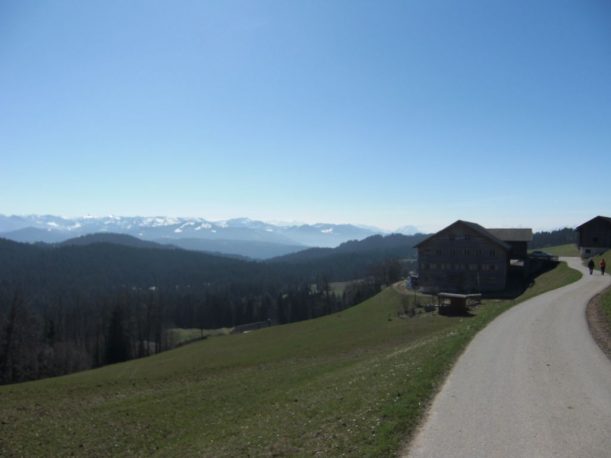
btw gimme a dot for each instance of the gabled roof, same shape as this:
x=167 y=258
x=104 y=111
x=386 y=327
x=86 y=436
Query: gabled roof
x=474 y=226
x=604 y=218
x=512 y=235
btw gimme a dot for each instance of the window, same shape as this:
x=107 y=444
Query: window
x=478 y=252
x=438 y=252
x=467 y=252
x=433 y=266
x=472 y=267
x=452 y=252
x=492 y=253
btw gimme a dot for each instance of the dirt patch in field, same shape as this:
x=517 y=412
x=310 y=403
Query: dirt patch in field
x=599 y=325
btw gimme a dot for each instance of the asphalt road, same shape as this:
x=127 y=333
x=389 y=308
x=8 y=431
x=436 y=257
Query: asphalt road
x=532 y=384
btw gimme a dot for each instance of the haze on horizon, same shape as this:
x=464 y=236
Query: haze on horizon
x=401 y=113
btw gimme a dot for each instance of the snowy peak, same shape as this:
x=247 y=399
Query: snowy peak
x=51 y=228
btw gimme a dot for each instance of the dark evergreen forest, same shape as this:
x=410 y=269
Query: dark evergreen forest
x=65 y=308
x=552 y=238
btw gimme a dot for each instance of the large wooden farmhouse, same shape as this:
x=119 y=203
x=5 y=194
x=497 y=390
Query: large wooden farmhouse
x=465 y=257
x=594 y=236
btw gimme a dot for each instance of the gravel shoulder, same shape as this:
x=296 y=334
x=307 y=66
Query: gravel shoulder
x=533 y=384
x=599 y=325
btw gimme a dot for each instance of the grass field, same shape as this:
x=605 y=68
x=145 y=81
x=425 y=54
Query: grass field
x=606 y=304
x=354 y=383
x=562 y=250
x=606 y=296
x=181 y=336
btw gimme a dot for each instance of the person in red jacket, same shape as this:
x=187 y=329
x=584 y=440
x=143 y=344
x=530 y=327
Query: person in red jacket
x=602 y=264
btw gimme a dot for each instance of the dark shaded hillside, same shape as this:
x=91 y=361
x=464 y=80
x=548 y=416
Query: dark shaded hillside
x=70 y=307
x=40 y=269
x=114 y=238
x=354 y=259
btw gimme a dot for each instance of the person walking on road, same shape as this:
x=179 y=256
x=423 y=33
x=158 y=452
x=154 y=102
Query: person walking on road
x=602 y=264
x=591 y=266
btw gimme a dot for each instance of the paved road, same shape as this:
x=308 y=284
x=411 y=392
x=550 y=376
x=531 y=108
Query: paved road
x=531 y=384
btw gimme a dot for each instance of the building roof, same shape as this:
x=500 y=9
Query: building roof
x=512 y=235
x=474 y=226
x=604 y=218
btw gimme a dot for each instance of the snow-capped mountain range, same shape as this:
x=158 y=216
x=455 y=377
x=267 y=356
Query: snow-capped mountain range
x=50 y=228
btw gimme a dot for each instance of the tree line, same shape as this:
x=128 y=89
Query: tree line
x=72 y=308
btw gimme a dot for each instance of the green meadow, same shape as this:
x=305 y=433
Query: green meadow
x=354 y=383
x=569 y=249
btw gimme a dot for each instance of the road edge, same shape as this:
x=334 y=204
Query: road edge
x=599 y=326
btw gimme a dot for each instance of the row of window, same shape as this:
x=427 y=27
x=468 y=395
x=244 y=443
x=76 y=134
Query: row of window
x=465 y=252
x=460 y=267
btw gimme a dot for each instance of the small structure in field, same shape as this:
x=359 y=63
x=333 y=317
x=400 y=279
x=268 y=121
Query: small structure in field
x=458 y=302
x=466 y=257
x=594 y=236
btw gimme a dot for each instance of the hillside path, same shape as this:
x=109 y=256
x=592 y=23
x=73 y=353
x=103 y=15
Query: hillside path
x=531 y=384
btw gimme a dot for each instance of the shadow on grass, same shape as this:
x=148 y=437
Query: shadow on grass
x=452 y=310
x=518 y=282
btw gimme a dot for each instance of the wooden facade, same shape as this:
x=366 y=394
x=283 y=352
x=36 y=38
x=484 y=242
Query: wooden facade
x=594 y=236
x=465 y=257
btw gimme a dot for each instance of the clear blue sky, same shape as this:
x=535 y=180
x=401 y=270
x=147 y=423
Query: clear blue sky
x=375 y=112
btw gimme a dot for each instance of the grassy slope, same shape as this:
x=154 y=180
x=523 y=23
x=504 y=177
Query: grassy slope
x=353 y=383
x=180 y=336
x=606 y=295
x=561 y=250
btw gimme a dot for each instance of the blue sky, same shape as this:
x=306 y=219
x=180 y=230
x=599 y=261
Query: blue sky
x=385 y=113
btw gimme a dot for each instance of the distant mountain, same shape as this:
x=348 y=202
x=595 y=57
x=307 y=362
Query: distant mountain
x=33 y=235
x=116 y=239
x=407 y=230
x=250 y=249
x=52 y=228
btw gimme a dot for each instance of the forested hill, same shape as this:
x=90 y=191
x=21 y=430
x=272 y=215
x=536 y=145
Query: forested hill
x=116 y=239
x=70 y=307
x=43 y=269
x=544 y=239
x=375 y=255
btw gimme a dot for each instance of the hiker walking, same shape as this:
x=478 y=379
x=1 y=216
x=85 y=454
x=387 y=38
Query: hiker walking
x=602 y=264
x=591 y=266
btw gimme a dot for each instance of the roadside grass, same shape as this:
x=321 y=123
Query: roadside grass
x=607 y=257
x=605 y=302
x=605 y=298
x=561 y=250
x=355 y=383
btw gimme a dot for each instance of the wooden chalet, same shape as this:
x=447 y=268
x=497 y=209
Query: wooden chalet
x=594 y=236
x=466 y=257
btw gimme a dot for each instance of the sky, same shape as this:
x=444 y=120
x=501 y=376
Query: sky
x=385 y=113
